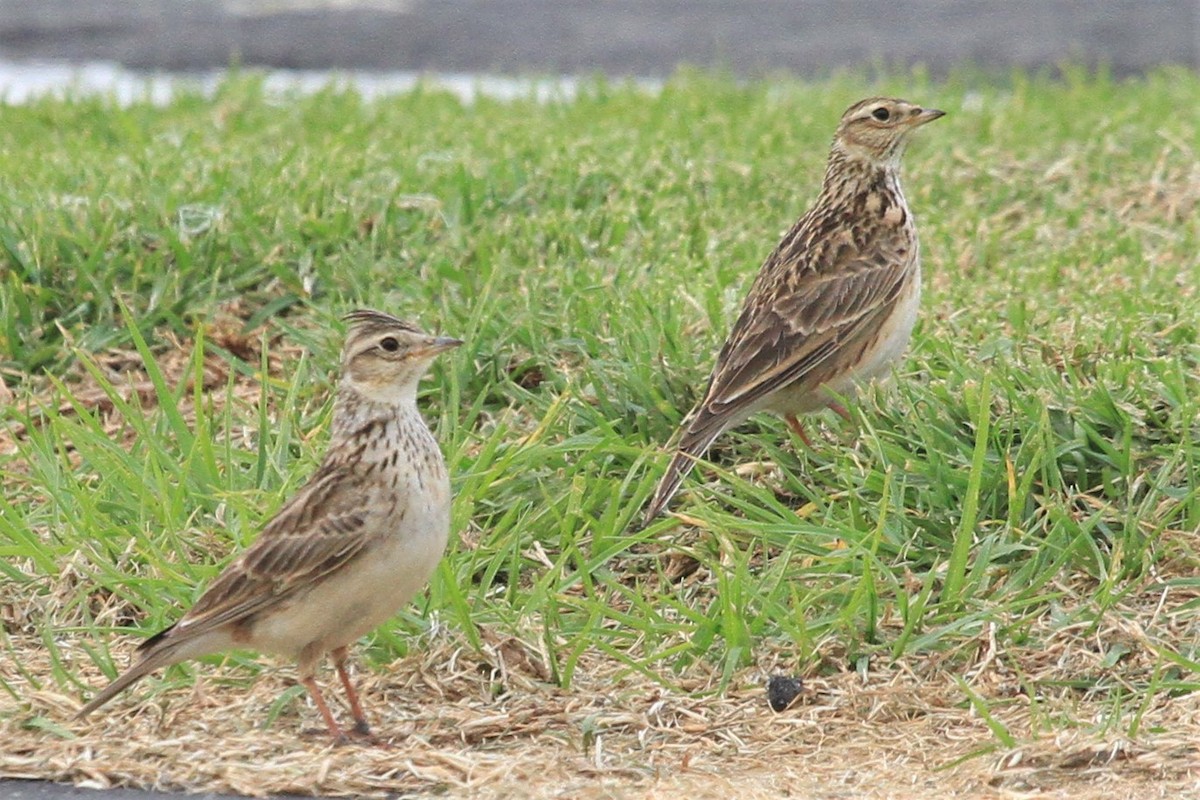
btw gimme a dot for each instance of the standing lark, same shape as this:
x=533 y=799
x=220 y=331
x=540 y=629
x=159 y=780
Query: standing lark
x=351 y=547
x=835 y=302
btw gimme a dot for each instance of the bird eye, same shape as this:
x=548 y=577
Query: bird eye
x=389 y=344
x=881 y=114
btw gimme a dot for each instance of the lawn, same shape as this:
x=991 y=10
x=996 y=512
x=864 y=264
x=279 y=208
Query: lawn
x=989 y=580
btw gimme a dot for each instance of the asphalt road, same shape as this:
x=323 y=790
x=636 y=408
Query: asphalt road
x=644 y=38
x=38 y=790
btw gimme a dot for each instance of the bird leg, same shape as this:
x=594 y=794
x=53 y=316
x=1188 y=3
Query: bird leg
x=793 y=422
x=798 y=429
x=340 y=657
x=335 y=730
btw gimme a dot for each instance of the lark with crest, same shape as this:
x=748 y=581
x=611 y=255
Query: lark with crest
x=351 y=547
x=833 y=305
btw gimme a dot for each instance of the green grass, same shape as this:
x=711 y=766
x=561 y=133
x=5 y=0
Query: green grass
x=1033 y=468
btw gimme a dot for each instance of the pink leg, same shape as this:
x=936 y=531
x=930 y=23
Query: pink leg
x=340 y=657
x=335 y=730
x=798 y=429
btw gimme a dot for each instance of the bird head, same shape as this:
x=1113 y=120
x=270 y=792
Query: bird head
x=384 y=358
x=876 y=130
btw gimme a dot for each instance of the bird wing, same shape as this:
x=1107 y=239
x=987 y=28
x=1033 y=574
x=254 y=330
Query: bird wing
x=809 y=302
x=320 y=529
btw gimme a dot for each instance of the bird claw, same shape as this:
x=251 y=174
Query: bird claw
x=361 y=734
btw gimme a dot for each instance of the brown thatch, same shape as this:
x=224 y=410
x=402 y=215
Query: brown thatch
x=460 y=723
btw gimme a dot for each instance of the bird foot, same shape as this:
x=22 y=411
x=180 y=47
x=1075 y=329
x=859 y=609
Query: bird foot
x=315 y=733
x=361 y=732
x=798 y=429
x=358 y=735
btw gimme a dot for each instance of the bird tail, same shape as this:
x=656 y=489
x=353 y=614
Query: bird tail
x=152 y=658
x=692 y=445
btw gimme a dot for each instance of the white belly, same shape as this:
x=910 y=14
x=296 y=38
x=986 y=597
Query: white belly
x=364 y=593
x=894 y=336
x=876 y=361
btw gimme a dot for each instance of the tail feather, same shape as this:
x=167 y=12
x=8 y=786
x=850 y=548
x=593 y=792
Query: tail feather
x=693 y=444
x=151 y=660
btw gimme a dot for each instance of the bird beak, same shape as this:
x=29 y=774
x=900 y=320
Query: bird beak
x=441 y=344
x=924 y=115
x=434 y=345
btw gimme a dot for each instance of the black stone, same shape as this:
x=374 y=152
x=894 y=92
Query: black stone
x=782 y=690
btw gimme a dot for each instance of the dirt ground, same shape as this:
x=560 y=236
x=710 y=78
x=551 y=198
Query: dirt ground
x=454 y=723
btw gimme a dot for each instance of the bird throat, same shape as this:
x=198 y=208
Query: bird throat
x=872 y=187
x=355 y=409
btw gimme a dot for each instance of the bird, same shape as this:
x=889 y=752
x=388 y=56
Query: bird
x=351 y=547
x=833 y=305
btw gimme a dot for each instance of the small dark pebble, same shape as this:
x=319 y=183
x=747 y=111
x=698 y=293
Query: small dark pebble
x=782 y=690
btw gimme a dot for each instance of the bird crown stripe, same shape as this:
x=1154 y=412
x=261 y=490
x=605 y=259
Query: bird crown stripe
x=367 y=316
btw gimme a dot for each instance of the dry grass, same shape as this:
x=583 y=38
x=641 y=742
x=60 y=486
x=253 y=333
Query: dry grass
x=457 y=723
x=123 y=372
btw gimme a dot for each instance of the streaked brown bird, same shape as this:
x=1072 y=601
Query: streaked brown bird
x=351 y=547
x=833 y=305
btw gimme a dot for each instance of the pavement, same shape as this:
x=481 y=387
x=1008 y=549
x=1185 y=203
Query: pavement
x=38 y=790
x=638 y=38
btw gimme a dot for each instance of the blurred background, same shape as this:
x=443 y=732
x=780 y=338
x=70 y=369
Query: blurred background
x=646 y=38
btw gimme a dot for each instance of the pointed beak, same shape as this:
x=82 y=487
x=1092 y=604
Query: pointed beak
x=438 y=345
x=443 y=343
x=924 y=115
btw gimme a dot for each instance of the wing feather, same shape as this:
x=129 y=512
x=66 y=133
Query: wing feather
x=804 y=308
x=320 y=530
